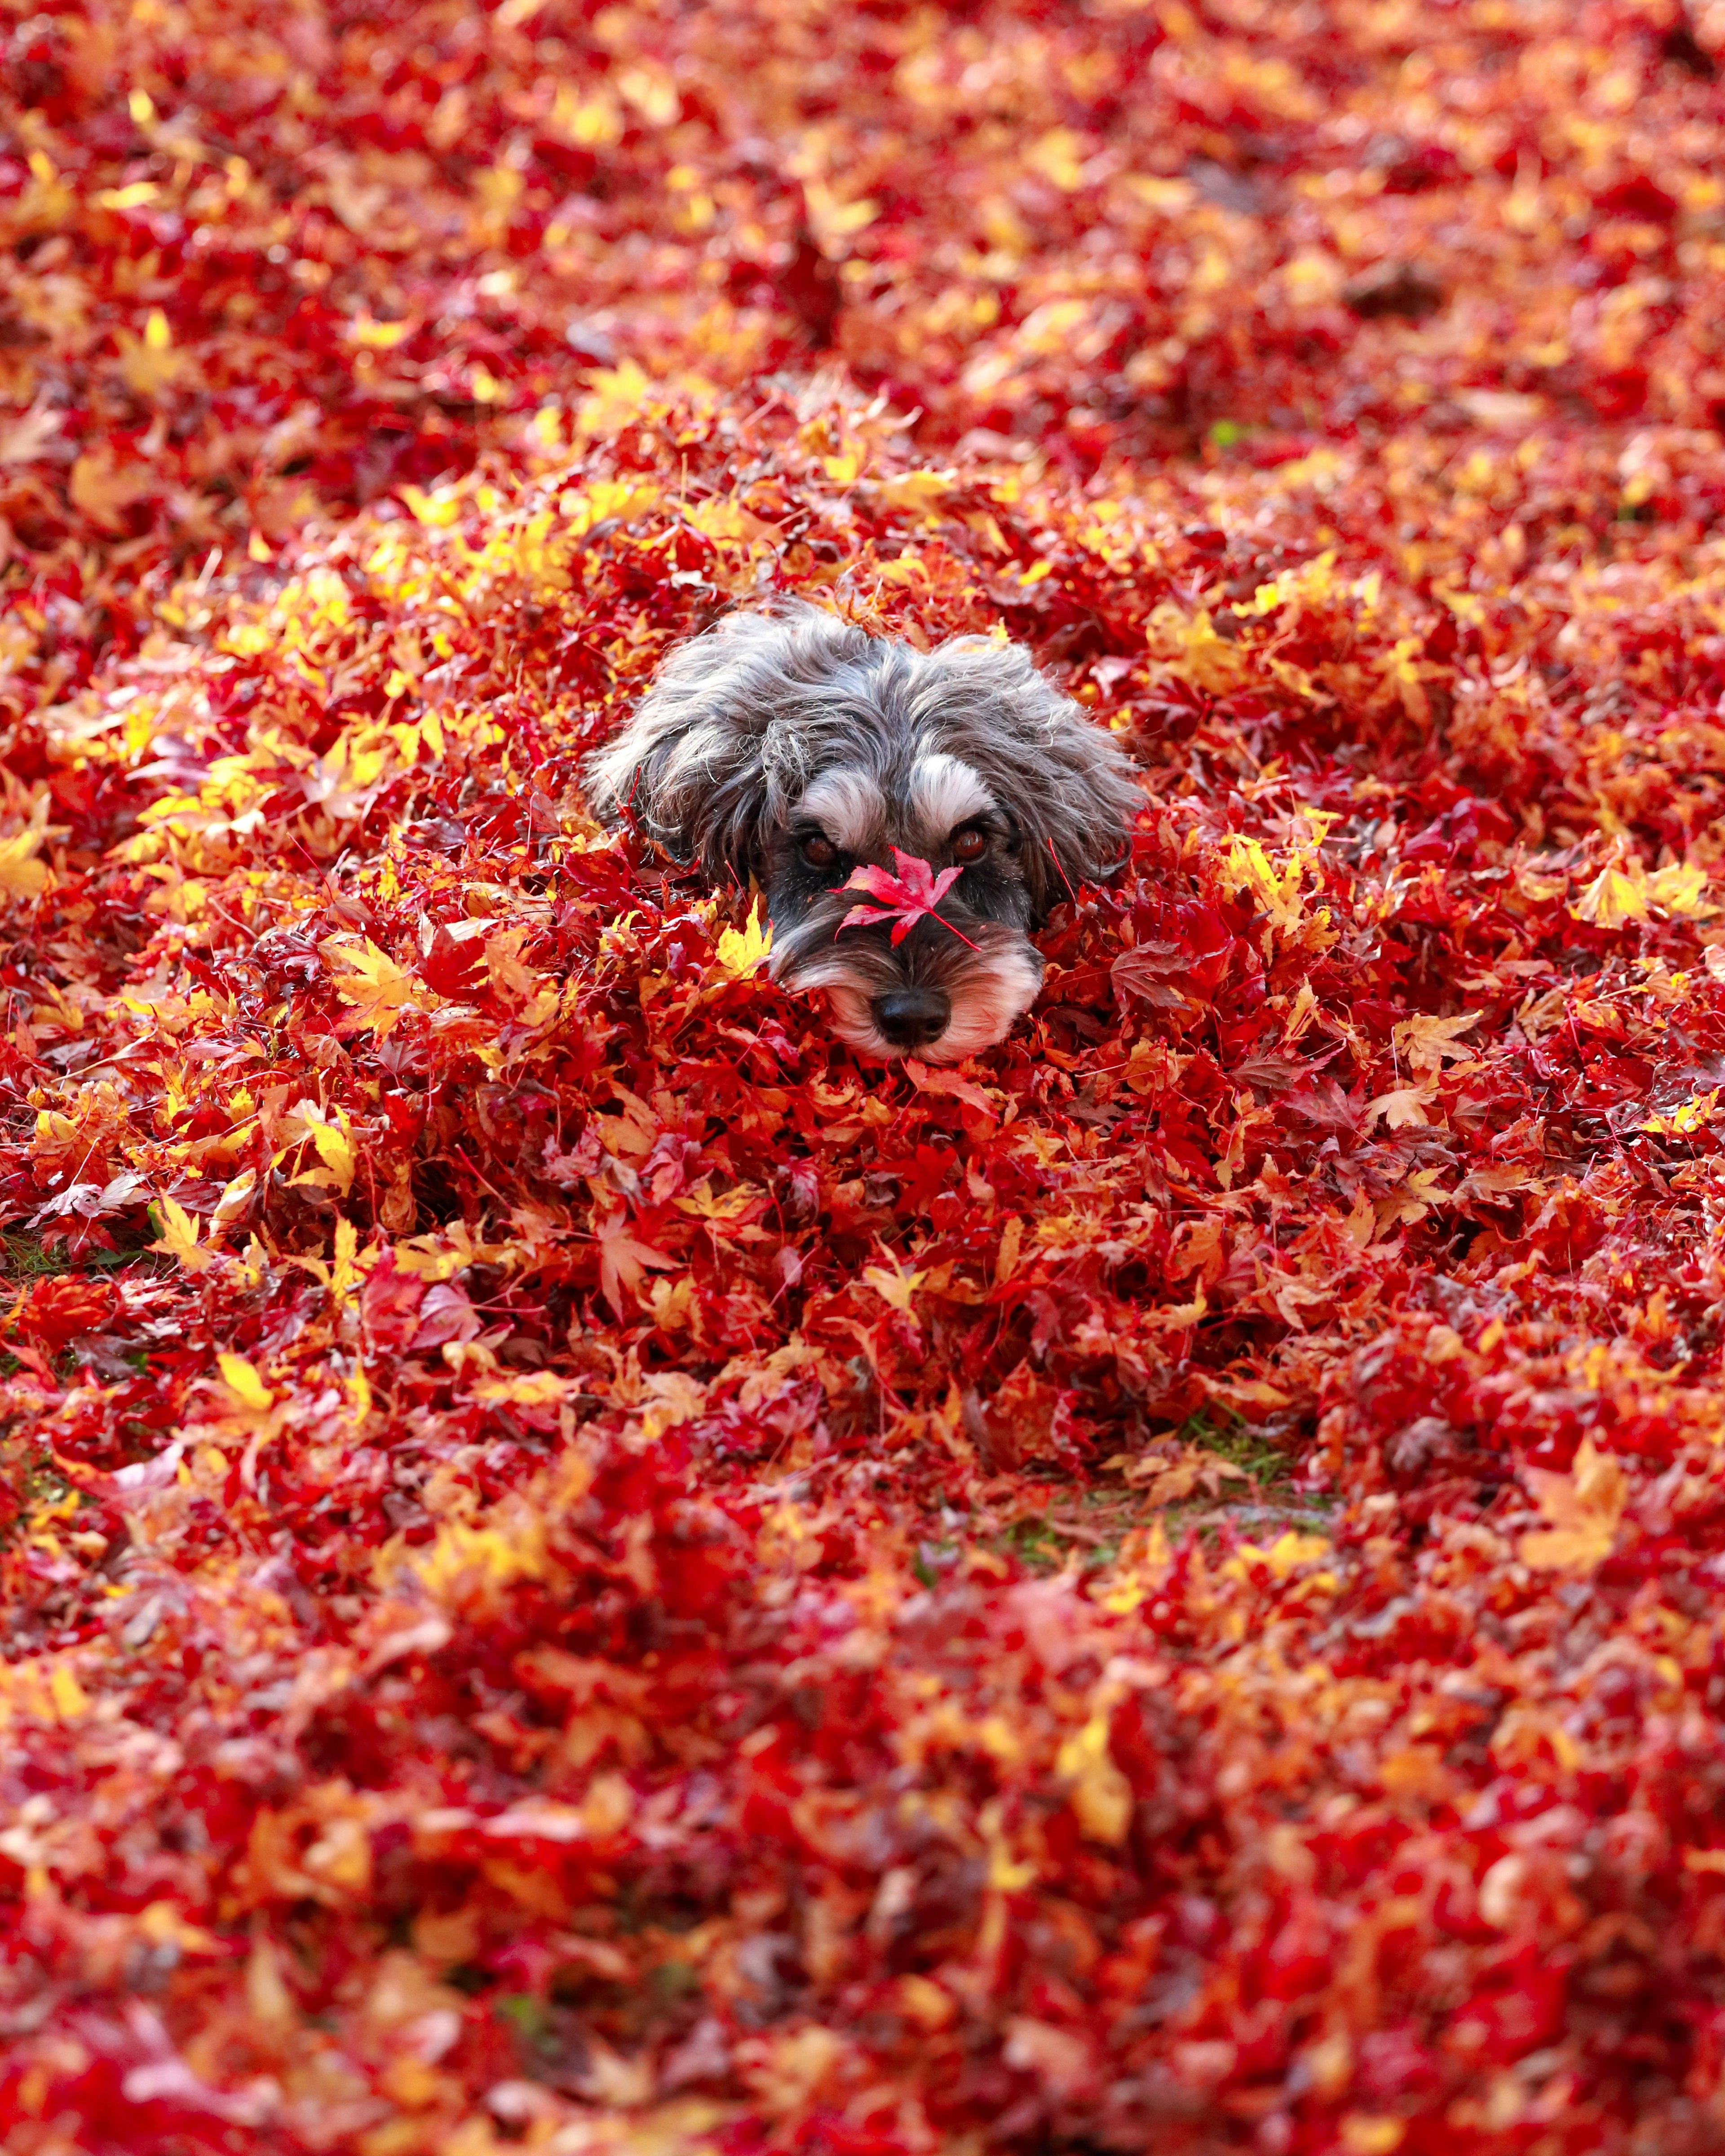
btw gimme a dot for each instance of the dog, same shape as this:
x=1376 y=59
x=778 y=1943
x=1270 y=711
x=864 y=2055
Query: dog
x=791 y=746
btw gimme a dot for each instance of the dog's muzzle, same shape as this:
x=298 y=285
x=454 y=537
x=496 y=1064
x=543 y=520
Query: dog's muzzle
x=935 y=995
x=909 y=1019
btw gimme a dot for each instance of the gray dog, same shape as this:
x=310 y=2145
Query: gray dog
x=794 y=747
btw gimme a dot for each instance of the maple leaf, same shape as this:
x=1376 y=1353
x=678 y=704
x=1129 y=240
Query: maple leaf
x=742 y=951
x=1623 y=892
x=179 y=1237
x=380 y=991
x=1404 y=1109
x=894 y=1288
x=235 y=1199
x=1102 y=1795
x=331 y=1140
x=1583 y=1509
x=1615 y=898
x=1682 y=889
x=23 y=438
x=622 y=1258
x=906 y=898
x=150 y=364
x=1429 y=1043
x=21 y=873
x=1685 y=1120
x=104 y=489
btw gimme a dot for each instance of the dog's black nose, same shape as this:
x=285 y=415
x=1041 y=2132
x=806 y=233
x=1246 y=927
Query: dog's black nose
x=911 y=1018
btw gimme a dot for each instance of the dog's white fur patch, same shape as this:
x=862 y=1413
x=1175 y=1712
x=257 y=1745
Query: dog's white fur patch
x=848 y=807
x=849 y=1006
x=945 y=792
x=988 y=1002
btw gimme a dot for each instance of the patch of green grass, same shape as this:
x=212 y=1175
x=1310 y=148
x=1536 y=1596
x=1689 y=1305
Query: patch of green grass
x=1234 y=1440
x=525 y=2014
x=29 y=1477
x=27 y=1257
x=1039 y=1544
x=672 y=1980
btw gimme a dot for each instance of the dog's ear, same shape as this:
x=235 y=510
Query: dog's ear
x=1070 y=788
x=1077 y=821
x=717 y=748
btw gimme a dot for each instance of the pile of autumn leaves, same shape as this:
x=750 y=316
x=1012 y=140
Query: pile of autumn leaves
x=584 y=1572
x=524 y=1628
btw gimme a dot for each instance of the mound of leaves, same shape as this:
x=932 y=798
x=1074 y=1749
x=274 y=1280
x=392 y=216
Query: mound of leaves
x=583 y=1571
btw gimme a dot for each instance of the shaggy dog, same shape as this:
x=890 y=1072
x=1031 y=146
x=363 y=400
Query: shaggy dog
x=794 y=747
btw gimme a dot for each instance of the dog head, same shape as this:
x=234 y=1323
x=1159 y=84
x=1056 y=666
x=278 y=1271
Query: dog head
x=794 y=747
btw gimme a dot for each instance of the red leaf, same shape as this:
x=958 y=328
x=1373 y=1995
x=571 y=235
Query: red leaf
x=906 y=898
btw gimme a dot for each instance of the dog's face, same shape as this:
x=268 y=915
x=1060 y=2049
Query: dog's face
x=794 y=747
x=933 y=994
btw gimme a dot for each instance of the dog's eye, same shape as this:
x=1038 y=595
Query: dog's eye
x=970 y=843
x=820 y=853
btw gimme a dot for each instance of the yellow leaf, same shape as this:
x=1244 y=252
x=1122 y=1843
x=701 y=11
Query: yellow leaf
x=1200 y=654
x=1428 y=1043
x=1058 y=156
x=832 y=222
x=1373 y=2133
x=1684 y=1121
x=437 y=511
x=1612 y=899
x=21 y=873
x=268 y=1999
x=928 y=2005
x=1288 y=1553
x=922 y=491
x=329 y=1140
x=1301 y=1015
x=335 y=1148
x=590 y=123
x=894 y=1287
x=1245 y=866
x=103 y=488
x=907 y=569
x=743 y=950
x=150 y=364
x=179 y=1237
x=1582 y=1510
x=242 y=1380
x=235 y=1198
x=1409 y=1201
x=1680 y=889
x=1102 y=1795
x=379 y=989
x=618 y=395
x=651 y=91
x=379 y=336
x=69 y=1697
x=530 y=1388
x=1402 y=1110
x=161 y=1923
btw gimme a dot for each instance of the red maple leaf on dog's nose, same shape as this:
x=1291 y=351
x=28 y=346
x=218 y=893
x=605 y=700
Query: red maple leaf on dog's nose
x=906 y=897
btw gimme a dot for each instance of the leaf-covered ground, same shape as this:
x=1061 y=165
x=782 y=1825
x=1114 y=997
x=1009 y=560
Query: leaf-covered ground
x=583 y=1573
